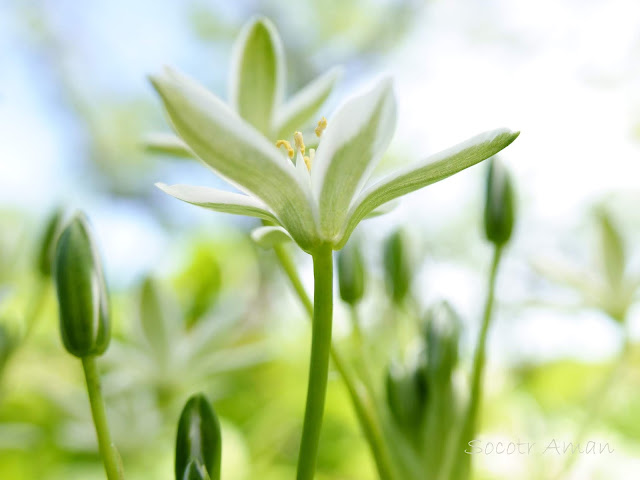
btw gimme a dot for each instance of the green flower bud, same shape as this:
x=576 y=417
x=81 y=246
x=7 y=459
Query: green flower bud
x=442 y=337
x=397 y=266
x=82 y=295
x=351 y=274
x=195 y=471
x=199 y=439
x=499 y=209
x=406 y=395
x=47 y=244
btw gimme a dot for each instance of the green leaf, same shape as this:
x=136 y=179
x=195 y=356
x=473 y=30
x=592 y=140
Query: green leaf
x=81 y=291
x=431 y=170
x=355 y=139
x=499 y=208
x=258 y=74
x=268 y=237
x=198 y=438
x=298 y=111
x=167 y=144
x=238 y=153
x=219 y=200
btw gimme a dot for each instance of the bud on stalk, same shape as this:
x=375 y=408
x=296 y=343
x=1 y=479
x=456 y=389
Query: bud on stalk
x=351 y=275
x=81 y=291
x=396 y=267
x=499 y=210
x=198 y=440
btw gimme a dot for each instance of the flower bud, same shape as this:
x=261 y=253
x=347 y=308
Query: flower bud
x=442 y=337
x=195 y=471
x=351 y=275
x=47 y=244
x=396 y=267
x=81 y=291
x=499 y=209
x=406 y=395
x=199 y=439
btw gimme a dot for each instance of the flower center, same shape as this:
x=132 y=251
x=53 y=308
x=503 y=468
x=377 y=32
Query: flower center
x=298 y=141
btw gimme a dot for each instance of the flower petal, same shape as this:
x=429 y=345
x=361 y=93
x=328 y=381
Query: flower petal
x=257 y=74
x=219 y=200
x=269 y=237
x=237 y=152
x=431 y=170
x=167 y=144
x=355 y=139
x=299 y=110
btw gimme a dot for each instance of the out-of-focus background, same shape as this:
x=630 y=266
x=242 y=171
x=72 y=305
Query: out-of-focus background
x=75 y=104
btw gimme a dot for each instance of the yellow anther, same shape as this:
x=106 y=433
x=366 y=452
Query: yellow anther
x=287 y=146
x=297 y=137
x=322 y=124
x=308 y=161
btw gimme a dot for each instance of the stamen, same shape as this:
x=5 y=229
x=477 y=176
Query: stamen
x=308 y=161
x=287 y=146
x=322 y=124
x=297 y=137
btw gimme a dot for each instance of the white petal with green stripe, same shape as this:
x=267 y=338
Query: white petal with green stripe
x=257 y=78
x=357 y=136
x=299 y=111
x=219 y=200
x=237 y=152
x=431 y=170
x=167 y=144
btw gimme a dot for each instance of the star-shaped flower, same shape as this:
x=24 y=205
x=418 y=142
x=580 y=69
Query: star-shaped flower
x=319 y=198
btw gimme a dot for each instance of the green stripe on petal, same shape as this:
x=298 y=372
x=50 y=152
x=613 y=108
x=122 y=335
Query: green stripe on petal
x=298 y=112
x=167 y=144
x=257 y=74
x=355 y=139
x=219 y=200
x=431 y=170
x=237 y=152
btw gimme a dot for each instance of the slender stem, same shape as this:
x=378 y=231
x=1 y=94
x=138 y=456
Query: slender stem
x=362 y=403
x=319 y=363
x=461 y=469
x=292 y=274
x=107 y=449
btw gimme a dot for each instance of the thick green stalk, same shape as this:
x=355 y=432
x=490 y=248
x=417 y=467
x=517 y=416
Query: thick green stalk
x=319 y=363
x=107 y=449
x=362 y=403
x=461 y=468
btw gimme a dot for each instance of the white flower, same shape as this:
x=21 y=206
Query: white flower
x=320 y=198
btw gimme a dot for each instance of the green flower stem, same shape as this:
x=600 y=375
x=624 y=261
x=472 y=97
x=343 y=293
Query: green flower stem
x=362 y=403
x=107 y=449
x=319 y=363
x=461 y=469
